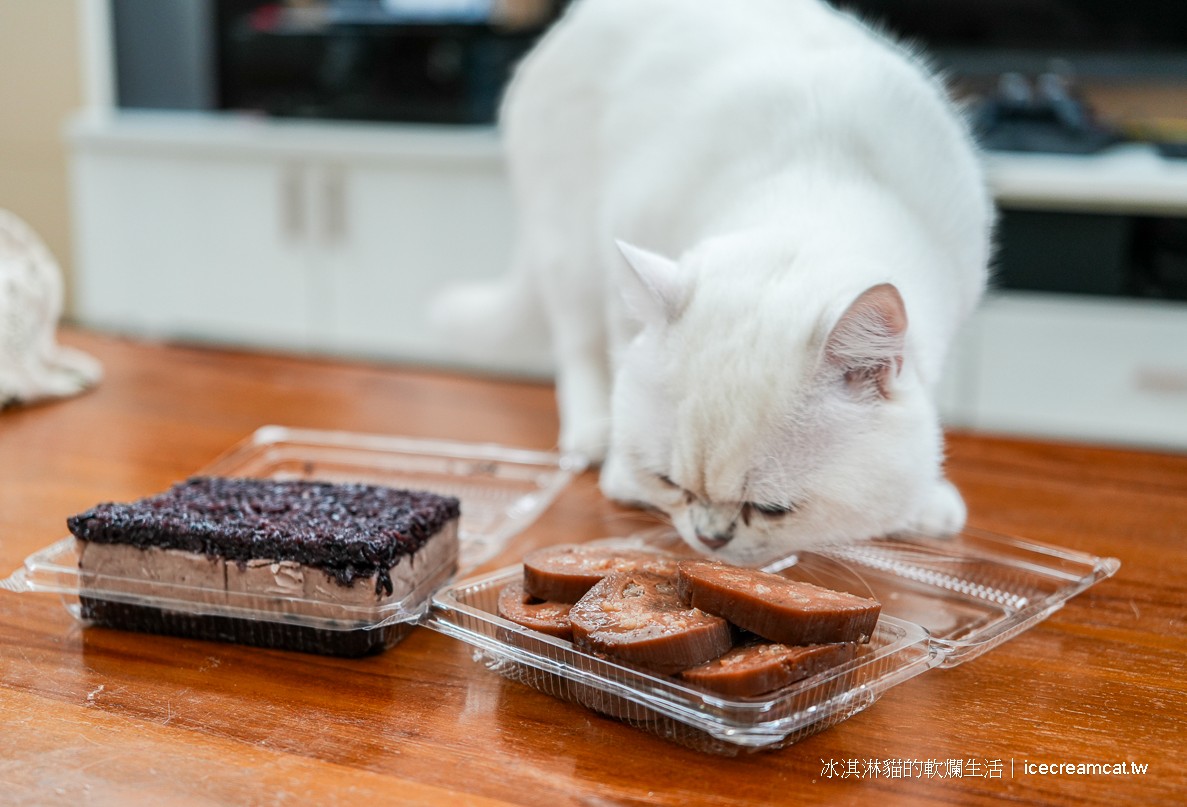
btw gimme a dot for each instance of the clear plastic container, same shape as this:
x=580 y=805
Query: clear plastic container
x=298 y=623
x=944 y=601
x=501 y=490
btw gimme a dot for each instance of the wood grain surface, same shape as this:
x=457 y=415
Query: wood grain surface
x=96 y=716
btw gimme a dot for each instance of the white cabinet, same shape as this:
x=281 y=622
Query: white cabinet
x=1091 y=368
x=402 y=231
x=327 y=237
x=1086 y=368
x=189 y=245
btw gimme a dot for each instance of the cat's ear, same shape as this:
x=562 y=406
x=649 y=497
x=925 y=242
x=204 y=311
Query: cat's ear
x=866 y=344
x=655 y=293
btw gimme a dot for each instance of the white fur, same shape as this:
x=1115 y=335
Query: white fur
x=770 y=160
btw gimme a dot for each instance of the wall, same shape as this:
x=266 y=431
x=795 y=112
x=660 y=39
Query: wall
x=40 y=87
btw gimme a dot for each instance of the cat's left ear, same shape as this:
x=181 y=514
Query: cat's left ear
x=866 y=344
x=656 y=292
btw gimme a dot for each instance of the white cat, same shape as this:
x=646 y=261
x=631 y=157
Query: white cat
x=812 y=227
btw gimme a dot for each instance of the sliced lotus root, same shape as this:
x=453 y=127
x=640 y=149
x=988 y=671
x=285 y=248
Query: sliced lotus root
x=565 y=573
x=637 y=617
x=777 y=609
x=544 y=616
x=755 y=669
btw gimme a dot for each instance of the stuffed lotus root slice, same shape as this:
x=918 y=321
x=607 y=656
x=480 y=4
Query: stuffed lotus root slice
x=762 y=667
x=517 y=606
x=566 y=573
x=777 y=609
x=637 y=617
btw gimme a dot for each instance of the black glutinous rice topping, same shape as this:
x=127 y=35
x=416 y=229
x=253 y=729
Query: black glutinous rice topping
x=347 y=530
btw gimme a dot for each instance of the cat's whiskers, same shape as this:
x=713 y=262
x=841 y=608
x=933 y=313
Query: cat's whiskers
x=651 y=517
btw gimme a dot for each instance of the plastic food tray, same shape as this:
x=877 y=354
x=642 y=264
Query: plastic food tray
x=289 y=623
x=501 y=490
x=944 y=601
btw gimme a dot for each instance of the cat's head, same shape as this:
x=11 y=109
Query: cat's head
x=765 y=414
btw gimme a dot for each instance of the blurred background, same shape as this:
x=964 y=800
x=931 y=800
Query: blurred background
x=303 y=176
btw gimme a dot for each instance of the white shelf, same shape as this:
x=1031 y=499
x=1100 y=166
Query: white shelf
x=231 y=134
x=1130 y=178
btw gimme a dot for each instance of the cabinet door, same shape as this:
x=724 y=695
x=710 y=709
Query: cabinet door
x=394 y=234
x=1095 y=369
x=184 y=245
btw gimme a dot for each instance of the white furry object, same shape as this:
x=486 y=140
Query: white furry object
x=32 y=365
x=804 y=227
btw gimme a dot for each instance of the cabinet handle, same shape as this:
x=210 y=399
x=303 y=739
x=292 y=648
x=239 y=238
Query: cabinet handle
x=334 y=216
x=1161 y=381
x=292 y=203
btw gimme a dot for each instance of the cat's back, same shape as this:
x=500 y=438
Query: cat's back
x=622 y=68
x=667 y=111
x=672 y=43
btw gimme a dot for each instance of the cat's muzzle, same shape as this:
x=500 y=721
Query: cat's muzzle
x=713 y=527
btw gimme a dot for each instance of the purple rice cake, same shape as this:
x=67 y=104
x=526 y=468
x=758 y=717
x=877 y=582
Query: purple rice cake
x=297 y=565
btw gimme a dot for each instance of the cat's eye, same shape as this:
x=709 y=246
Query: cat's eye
x=773 y=509
x=667 y=482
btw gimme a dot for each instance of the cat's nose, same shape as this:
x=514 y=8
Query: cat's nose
x=716 y=540
x=714 y=526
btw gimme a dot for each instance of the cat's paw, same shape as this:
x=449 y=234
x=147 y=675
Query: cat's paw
x=943 y=512
x=588 y=438
x=618 y=483
x=81 y=369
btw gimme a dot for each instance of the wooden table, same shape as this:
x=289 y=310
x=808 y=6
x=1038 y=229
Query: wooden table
x=90 y=715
